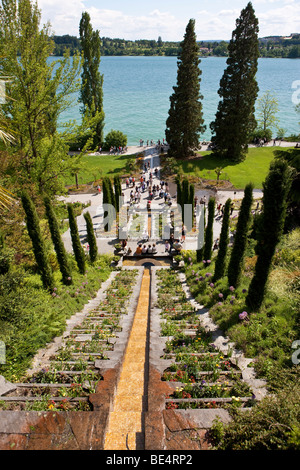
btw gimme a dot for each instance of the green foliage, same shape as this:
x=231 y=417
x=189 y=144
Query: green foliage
x=118 y=192
x=276 y=188
x=273 y=424
x=267 y=107
x=58 y=243
x=115 y=139
x=109 y=201
x=93 y=250
x=91 y=93
x=240 y=240
x=270 y=47
x=235 y=120
x=220 y=265
x=31 y=317
x=39 y=92
x=185 y=120
x=33 y=227
x=208 y=237
x=77 y=248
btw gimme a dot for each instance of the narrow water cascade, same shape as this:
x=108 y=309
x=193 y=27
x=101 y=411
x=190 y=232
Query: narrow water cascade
x=126 y=421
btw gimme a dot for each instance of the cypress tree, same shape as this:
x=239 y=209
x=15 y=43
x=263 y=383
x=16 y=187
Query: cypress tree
x=118 y=192
x=201 y=233
x=38 y=244
x=185 y=122
x=275 y=191
x=208 y=238
x=179 y=191
x=111 y=192
x=106 y=200
x=91 y=237
x=58 y=243
x=235 y=119
x=192 y=200
x=77 y=248
x=240 y=240
x=91 y=94
x=220 y=265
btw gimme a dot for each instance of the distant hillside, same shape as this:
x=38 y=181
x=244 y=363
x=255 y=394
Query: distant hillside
x=273 y=46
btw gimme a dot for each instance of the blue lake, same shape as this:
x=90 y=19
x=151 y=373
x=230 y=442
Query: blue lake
x=137 y=91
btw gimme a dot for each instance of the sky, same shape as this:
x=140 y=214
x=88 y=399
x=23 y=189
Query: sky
x=140 y=19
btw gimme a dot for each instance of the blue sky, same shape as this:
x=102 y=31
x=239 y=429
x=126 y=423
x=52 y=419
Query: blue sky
x=139 y=19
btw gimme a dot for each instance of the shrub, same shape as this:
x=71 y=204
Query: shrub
x=115 y=139
x=273 y=424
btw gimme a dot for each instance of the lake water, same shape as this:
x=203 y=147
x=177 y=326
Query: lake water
x=137 y=91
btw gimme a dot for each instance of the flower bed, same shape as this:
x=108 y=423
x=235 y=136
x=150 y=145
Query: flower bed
x=205 y=376
x=71 y=376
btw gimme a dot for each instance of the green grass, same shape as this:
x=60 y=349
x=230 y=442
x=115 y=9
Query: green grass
x=30 y=317
x=96 y=167
x=253 y=169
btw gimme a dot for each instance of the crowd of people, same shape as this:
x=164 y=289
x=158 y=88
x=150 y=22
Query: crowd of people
x=146 y=183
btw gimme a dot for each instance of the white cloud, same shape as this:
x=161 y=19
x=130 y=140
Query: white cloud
x=275 y=17
x=64 y=16
x=280 y=21
x=112 y=23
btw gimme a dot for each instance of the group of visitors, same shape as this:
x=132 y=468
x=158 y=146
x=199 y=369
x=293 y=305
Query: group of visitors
x=144 y=249
x=146 y=183
x=117 y=150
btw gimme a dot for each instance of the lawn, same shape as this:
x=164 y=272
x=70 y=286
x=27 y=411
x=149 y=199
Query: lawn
x=253 y=169
x=95 y=167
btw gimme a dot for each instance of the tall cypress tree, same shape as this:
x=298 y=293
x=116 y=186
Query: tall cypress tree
x=240 y=240
x=91 y=237
x=38 y=244
x=208 y=238
x=192 y=200
x=275 y=191
x=220 y=265
x=235 y=119
x=77 y=248
x=185 y=122
x=109 y=199
x=58 y=243
x=118 y=192
x=91 y=94
x=179 y=191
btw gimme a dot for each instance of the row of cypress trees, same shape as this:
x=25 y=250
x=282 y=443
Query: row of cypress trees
x=185 y=196
x=270 y=228
x=235 y=265
x=111 y=197
x=38 y=244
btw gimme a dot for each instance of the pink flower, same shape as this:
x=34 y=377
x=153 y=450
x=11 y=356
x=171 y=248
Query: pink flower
x=243 y=315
